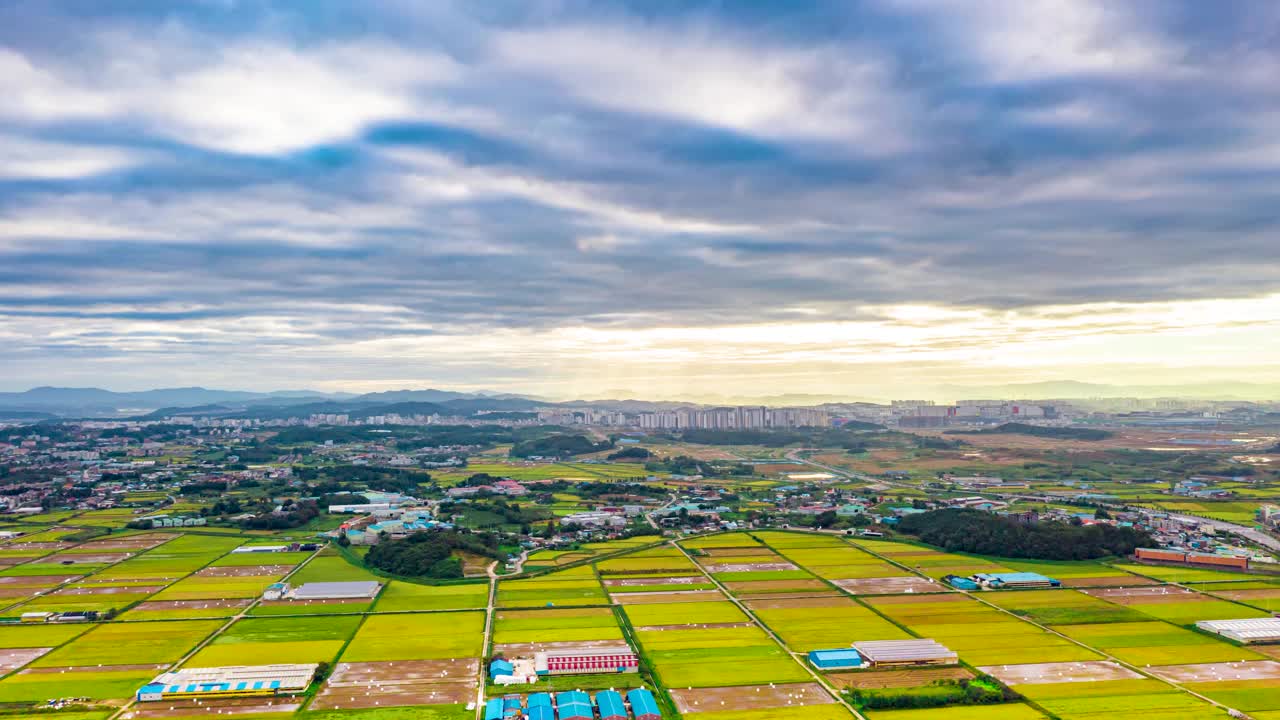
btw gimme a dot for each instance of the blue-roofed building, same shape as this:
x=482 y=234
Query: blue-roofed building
x=609 y=703
x=1014 y=580
x=538 y=699
x=541 y=712
x=501 y=667
x=574 y=705
x=643 y=705
x=839 y=659
x=960 y=583
x=493 y=709
x=511 y=707
x=233 y=681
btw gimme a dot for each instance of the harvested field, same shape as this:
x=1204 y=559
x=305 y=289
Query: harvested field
x=220 y=707
x=403 y=682
x=13 y=592
x=827 y=595
x=112 y=590
x=82 y=558
x=36 y=580
x=912 y=599
x=1220 y=672
x=791 y=602
x=631 y=582
x=665 y=597
x=11 y=660
x=1247 y=595
x=533 y=647
x=48 y=545
x=137 y=542
x=704 y=626
x=1061 y=672
x=1126 y=581
x=193 y=604
x=749 y=567
x=735 y=551
x=891 y=585
x=868 y=680
x=243 y=570
x=758 y=697
x=1144 y=595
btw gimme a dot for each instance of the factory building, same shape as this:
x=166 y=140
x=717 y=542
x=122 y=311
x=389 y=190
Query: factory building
x=1250 y=630
x=609 y=703
x=1233 y=562
x=1014 y=581
x=574 y=705
x=840 y=659
x=568 y=661
x=235 y=681
x=902 y=653
x=643 y=705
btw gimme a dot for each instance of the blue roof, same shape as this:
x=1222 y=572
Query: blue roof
x=574 y=704
x=642 y=703
x=541 y=712
x=151 y=688
x=1015 y=577
x=500 y=667
x=538 y=699
x=843 y=657
x=493 y=709
x=610 y=704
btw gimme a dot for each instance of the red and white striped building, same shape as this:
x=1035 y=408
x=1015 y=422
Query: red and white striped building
x=569 y=661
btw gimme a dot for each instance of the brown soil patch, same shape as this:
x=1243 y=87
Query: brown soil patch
x=875 y=680
x=749 y=567
x=761 y=585
x=12 y=592
x=101 y=557
x=37 y=581
x=903 y=585
x=244 y=571
x=644 y=598
x=1220 y=672
x=1144 y=595
x=518 y=649
x=138 y=542
x=11 y=660
x=632 y=582
x=193 y=604
x=792 y=595
x=1127 y=581
x=910 y=599
x=111 y=590
x=738 y=551
x=757 y=698
x=1255 y=594
x=792 y=602
x=405 y=682
x=49 y=545
x=221 y=707
x=1060 y=672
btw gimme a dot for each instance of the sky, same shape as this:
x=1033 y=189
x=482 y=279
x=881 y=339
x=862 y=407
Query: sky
x=653 y=198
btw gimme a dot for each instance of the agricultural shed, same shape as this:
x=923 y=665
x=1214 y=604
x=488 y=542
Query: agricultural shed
x=885 y=653
x=574 y=704
x=501 y=667
x=961 y=583
x=232 y=681
x=539 y=699
x=610 y=704
x=541 y=712
x=1014 y=580
x=1250 y=630
x=567 y=661
x=511 y=707
x=643 y=706
x=337 y=590
x=840 y=659
x=493 y=709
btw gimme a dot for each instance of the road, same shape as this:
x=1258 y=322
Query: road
x=488 y=632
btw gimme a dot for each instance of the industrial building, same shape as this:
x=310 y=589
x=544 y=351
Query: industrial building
x=960 y=583
x=1250 y=630
x=493 y=709
x=574 y=705
x=839 y=659
x=234 y=681
x=900 y=653
x=568 y=661
x=358 y=590
x=609 y=703
x=1014 y=580
x=1233 y=562
x=643 y=705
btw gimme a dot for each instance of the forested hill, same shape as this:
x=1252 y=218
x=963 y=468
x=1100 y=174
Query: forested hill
x=982 y=533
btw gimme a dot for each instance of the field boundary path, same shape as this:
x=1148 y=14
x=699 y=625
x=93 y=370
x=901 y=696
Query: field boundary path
x=490 y=608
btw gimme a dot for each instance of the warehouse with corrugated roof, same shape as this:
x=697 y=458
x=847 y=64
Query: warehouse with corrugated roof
x=609 y=703
x=839 y=659
x=1247 y=630
x=573 y=705
x=232 y=681
x=899 y=653
x=643 y=705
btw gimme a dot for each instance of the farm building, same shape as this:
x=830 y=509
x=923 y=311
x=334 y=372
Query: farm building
x=1251 y=630
x=1015 y=580
x=568 y=661
x=235 y=681
x=643 y=705
x=896 y=653
x=960 y=583
x=275 y=591
x=841 y=659
x=1235 y=562
x=362 y=589
x=610 y=705
x=574 y=705
x=493 y=709
x=500 y=667
x=511 y=707
x=539 y=699
x=1160 y=555
x=541 y=712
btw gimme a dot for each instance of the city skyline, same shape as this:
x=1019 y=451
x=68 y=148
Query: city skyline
x=874 y=199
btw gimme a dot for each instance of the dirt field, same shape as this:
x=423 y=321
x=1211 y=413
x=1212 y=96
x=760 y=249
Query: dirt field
x=1145 y=595
x=751 y=586
x=405 y=682
x=737 y=551
x=794 y=602
x=906 y=584
x=102 y=557
x=137 y=542
x=36 y=580
x=243 y=571
x=50 y=545
x=210 y=707
x=757 y=698
x=644 y=598
x=748 y=567
x=1255 y=594
x=11 y=660
x=1061 y=672
x=912 y=599
x=518 y=649
x=111 y=590
x=1128 y=581
x=867 y=680
x=1218 y=672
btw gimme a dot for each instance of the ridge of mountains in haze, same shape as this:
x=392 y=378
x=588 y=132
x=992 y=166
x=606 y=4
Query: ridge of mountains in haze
x=51 y=402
